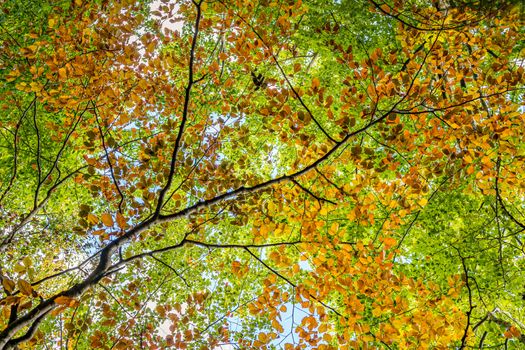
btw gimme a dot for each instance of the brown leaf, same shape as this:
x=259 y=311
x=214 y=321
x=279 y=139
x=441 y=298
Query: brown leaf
x=25 y=287
x=10 y=300
x=8 y=285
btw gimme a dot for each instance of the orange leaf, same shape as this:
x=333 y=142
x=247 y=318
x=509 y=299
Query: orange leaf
x=315 y=83
x=107 y=219
x=66 y=301
x=121 y=221
x=92 y=219
x=236 y=266
x=389 y=242
x=62 y=73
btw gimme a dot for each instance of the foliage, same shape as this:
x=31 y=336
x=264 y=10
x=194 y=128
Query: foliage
x=261 y=174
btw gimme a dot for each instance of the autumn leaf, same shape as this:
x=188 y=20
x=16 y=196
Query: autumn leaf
x=66 y=301
x=92 y=219
x=25 y=287
x=121 y=221
x=62 y=73
x=107 y=220
x=389 y=242
x=315 y=83
x=8 y=285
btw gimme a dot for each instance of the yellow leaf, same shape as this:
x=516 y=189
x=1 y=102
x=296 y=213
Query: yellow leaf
x=376 y=312
x=12 y=75
x=271 y=208
x=62 y=73
x=334 y=228
x=27 y=261
x=19 y=268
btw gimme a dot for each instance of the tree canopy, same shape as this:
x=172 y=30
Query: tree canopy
x=268 y=174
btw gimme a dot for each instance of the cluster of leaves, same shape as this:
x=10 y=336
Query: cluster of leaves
x=261 y=174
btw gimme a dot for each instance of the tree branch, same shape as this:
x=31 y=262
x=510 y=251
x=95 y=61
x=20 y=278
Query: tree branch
x=185 y=113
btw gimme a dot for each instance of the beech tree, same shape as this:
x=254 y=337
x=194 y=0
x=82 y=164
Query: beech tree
x=288 y=174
